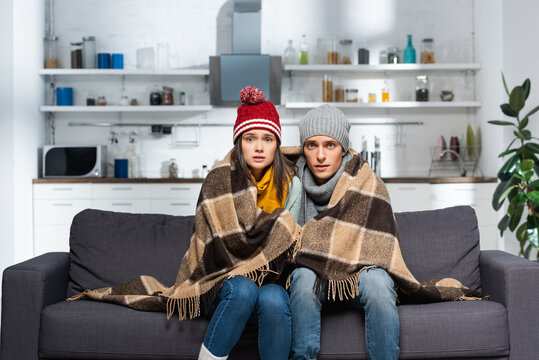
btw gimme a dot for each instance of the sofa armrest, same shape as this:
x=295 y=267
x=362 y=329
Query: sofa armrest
x=514 y=282
x=27 y=288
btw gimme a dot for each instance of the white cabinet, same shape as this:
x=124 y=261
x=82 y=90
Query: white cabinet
x=55 y=205
x=409 y=196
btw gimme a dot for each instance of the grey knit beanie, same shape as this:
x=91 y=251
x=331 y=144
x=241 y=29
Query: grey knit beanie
x=325 y=120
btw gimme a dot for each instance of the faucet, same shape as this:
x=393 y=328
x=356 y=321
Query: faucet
x=461 y=163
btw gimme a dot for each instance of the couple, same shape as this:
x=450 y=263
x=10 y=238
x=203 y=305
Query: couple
x=290 y=324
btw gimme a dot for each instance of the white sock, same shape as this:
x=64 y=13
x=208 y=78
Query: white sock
x=205 y=354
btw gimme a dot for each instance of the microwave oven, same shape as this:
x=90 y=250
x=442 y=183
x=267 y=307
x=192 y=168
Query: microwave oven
x=74 y=161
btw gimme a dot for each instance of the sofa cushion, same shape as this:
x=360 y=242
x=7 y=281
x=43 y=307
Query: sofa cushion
x=109 y=248
x=441 y=243
x=459 y=329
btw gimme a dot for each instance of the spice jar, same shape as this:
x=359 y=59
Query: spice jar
x=345 y=51
x=363 y=53
x=421 y=89
x=50 y=44
x=339 y=94
x=167 y=98
x=89 y=53
x=90 y=99
x=155 y=97
x=393 y=55
x=327 y=89
x=101 y=101
x=76 y=55
x=332 y=53
x=385 y=94
x=427 y=51
x=372 y=97
x=351 y=95
x=382 y=57
x=182 y=97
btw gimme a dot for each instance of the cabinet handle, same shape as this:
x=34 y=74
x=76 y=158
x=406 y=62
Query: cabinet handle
x=407 y=188
x=122 y=204
x=63 y=189
x=62 y=204
x=180 y=204
x=465 y=189
x=122 y=189
x=180 y=188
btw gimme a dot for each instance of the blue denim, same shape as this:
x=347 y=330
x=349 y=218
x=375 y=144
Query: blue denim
x=242 y=301
x=377 y=298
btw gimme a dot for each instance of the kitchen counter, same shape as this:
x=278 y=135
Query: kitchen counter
x=417 y=180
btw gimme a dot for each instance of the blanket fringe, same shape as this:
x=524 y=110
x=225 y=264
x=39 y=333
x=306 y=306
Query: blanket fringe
x=188 y=308
x=344 y=289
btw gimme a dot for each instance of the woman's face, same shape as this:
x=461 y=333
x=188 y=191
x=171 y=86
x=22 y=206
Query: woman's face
x=258 y=147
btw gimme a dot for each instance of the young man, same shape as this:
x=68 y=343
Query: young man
x=324 y=136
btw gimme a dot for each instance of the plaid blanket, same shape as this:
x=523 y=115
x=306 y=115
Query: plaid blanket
x=358 y=231
x=231 y=237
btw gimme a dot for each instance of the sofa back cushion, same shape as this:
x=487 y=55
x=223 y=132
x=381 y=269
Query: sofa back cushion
x=441 y=243
x=109 y=248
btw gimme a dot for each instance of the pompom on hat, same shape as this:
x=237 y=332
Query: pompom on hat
x=256 y=113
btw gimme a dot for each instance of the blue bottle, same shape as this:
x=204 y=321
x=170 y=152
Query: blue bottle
x=409 y=52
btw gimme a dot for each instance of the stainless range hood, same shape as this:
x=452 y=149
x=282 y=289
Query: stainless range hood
x=229 y=73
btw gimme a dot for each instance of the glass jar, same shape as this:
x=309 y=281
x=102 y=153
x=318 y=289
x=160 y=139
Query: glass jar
x=339 y=94
x=182 y=97
x=345 y=51
x=327 y=89
x=382 y=57
x=363 y=52
x=155 y=97
x=124 y=100
x=393 y=55
x=89 y=52
x=173 y=169
x=427 y=51
x=351 y=95
x=372 y=97
x=421 y=88
x=90 y=99
x=76 y=55
x=332 y=54
x=101 y=101
x=385 y=94
x=50 y=44
x=167 y=98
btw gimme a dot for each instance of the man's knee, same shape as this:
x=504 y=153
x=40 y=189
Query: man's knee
x=376 y=283
x=302 y=282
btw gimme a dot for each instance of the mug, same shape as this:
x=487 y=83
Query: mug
x=64 y=96
x=103 y=61
x=117 y=61
x=120 y=168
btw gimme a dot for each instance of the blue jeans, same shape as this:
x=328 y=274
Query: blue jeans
x=242 y=301
x=377 y=298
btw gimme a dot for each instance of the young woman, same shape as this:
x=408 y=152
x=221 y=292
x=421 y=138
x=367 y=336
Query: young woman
x=257 y=156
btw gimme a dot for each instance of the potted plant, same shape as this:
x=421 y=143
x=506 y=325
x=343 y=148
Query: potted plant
x=519 y=185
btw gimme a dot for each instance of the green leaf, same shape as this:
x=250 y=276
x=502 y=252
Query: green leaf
x=534 y=184
x=521 y=232
x=500 y=189
x=533 y=196
x=506 y=152
x=507 y=170
x=523 y=123
x=506 y=192
x=532 y=231
x=517 y=99
x=532 y=148
x=521 y=198
x=502 y=225
x=528 y=175
x=505 y=84
x=515 y=217
x=507 y=110
x=524 y=134
x=532 y=112
x=528 y=251
x=526 y=85
x=526 y=165
x=501 y=122
x=511 y=143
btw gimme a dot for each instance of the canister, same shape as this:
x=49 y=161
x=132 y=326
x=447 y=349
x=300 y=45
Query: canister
x=50 y=44
x=89 y=53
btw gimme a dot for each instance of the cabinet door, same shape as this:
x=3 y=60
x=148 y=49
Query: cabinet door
x=174 y=206
x=176 y=191
x=50 y=238
x=409 y=196
x=62 y=191
x=121 y=191
x=58 y=211
x=123 y=205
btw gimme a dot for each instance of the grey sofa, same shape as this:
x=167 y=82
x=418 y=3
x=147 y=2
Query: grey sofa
x=110 y=248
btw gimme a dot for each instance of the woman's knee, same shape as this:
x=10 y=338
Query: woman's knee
x=241 y=289
x=273 y=296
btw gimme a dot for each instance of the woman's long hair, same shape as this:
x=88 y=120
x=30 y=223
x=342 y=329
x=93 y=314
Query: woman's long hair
x=283 y=168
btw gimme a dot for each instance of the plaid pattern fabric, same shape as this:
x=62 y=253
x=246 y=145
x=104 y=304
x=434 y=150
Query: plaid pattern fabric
x=231 y=237
x=359 y=230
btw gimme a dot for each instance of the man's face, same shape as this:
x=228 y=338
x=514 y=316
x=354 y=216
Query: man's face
x=324 y=156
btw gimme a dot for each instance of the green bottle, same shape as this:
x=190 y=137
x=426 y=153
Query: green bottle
x=409 y=52
x=304 y=51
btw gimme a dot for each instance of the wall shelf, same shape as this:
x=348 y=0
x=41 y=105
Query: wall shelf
x=133 y=72
x=388 y=105
x=132 y=109
x=383 y=67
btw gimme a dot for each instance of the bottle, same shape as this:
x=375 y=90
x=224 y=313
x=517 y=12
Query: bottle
x=182 y=97
x=363 y=53
x=129 y=154
x=385 y=94
x=364 y=149
x=205 y=171
x=290 y=55
x=409 y=52
x=173 y=169
x=304 y=51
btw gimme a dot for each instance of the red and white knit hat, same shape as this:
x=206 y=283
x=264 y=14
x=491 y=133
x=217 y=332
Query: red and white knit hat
x=256 y=113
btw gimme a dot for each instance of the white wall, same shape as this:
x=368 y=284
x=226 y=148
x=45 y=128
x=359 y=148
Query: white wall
x=7 y=242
